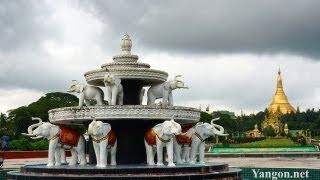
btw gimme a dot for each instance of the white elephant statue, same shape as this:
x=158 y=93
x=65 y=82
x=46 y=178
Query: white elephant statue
x=114 y=92
x=52 y=133
x=158 y=137
x=197 y=135
x=164 y=91
x=87 y=93
x=104 y=141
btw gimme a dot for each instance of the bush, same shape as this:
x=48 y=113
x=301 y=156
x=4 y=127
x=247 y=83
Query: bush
x=21 y=144
x=24 y=144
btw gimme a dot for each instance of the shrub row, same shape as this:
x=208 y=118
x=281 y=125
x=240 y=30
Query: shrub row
x=24 y=144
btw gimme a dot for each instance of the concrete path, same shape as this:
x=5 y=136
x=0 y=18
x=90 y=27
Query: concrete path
x=270 y=162
x=281 y=162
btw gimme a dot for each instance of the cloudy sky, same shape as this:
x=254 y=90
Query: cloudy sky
x=228 y=52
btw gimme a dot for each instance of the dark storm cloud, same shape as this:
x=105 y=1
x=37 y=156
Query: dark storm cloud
x=271 y=26
x=23 y=24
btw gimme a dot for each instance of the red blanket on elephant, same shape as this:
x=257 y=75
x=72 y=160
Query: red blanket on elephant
x=150 y=137
x=69 y=136
x=112 y=137
x=184 y=139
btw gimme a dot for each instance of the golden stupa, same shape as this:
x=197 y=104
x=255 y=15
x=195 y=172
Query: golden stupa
x=280 y=100
x=279 y=106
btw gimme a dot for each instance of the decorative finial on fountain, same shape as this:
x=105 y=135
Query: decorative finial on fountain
x=126 y=44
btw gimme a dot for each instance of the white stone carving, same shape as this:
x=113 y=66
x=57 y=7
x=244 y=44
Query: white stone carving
x=87 y=93
x=114 y=93
x=104 y=141
x=51 y=132
x=197 y=134
x=164 y=91
x=80 y=115
x=163 y=134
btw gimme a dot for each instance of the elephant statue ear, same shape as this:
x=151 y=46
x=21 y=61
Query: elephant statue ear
x=93 y=119
x=117 y=81
x=166 y=85
x=81 y=87
x=106 y=127
x=158 y=129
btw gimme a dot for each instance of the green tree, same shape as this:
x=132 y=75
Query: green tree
x=20 y=118
x=3 y=120
x=269 y=132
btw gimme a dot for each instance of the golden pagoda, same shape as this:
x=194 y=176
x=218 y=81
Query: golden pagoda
x=280 y=100
x=279 y=105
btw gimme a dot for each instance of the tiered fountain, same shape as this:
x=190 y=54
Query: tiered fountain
x=130 y=120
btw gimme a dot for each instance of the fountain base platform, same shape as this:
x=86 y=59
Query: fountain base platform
x=180 y=171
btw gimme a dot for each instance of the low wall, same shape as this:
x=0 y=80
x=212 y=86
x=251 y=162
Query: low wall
x=26 y=154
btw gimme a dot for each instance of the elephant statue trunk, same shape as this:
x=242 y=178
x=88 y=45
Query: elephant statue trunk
x=217 y=129
x=31 y=127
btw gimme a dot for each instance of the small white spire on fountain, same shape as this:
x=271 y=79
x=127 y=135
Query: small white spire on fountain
x=126 y=44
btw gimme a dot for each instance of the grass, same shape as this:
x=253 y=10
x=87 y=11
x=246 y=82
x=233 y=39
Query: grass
x=268 y=143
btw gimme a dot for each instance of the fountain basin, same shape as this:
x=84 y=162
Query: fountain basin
x=180 y=171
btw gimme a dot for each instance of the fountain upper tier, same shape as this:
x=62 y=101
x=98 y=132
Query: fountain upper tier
x=126 y=67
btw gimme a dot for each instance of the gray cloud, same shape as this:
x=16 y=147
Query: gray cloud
x=23 y=25
x=216 y=26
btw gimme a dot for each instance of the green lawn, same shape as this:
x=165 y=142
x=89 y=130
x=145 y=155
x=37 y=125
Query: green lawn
x=268 y=143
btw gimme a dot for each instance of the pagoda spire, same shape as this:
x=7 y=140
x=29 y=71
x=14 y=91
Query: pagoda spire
x=280 y=100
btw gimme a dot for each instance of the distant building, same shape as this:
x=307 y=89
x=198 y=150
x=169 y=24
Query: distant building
x=255 y=133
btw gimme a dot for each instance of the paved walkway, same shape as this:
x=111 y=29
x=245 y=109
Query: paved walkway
x=270 y=162
x=281 y=162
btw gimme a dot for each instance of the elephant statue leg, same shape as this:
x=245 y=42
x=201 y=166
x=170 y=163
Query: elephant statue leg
x=151 y=99
x=201 y=152
x=170 y=99
x=194 y=149
x=120 y=100
x=186 y=154
x=51 y=152
x=169 y=146
x=97 y=152
x=103 y=153
x=159 y=152
x=177 y=151
x=81 y=153
x=150 y=153
x=63 y=156
x=113 y=152
x=81 y=100
x=57 y=156
x=74 y=157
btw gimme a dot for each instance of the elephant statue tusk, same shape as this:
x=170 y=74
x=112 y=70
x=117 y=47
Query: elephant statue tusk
x=25 y=134
x=37 y=137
